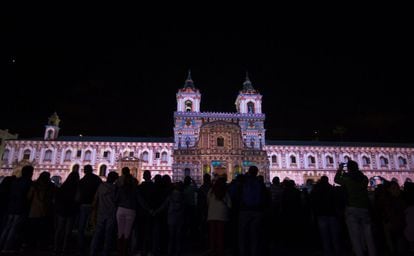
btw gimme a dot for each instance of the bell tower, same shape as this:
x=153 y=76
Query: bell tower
x=52 y=127
x=249 y=100
x=249 y=106
x=188 y=97
x=187 y=117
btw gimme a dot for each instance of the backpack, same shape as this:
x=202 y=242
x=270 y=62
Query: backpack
x=252 y=194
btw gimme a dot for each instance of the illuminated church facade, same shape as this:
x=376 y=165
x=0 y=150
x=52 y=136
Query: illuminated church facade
x=206 y=142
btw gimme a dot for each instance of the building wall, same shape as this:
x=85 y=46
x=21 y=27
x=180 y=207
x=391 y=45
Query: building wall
x=5 y=135
x=90 y=153
x=304 y=169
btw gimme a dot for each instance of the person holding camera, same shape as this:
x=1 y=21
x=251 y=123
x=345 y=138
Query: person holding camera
x=357 y=215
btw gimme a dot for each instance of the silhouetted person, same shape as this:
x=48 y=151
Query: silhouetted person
x=323 y=202
x=105 y=202
x=409 y=215
x=357 y=215
x=174 y=205
x=126 y=209
x=252 y=204
x=394 y=219
x=85 y=195
x=17 y=210
x=290 y=211
x=190 y=197
x=219 y=204
x=276 y=192
x=66 y=210
x=41 y=196
x=5 y=187
x=147 y=191
x=202 y=204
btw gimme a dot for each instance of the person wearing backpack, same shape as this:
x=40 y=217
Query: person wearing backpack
x=252 y=204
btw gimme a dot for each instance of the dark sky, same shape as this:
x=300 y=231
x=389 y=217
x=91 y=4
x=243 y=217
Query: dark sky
x=116 y=75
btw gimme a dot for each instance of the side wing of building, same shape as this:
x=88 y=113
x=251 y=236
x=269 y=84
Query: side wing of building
x=105 y=154
x=306 y=160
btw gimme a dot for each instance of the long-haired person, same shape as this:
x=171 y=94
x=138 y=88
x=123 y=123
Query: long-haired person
x=219 y=204
x=66 y=209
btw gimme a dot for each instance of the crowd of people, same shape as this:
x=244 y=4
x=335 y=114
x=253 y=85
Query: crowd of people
x=87 y=216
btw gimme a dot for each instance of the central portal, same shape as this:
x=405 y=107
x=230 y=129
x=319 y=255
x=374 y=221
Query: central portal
x=219 y=168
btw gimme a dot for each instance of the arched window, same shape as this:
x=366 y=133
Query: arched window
x=48 y=155
x=88 y=155
x=383 y=161
x=164 y=156
x=188 y=106
x=49 y=134
x=311 y=159
x=186 y=172
x=250 y=107
x=347 y=158
x=5 y=156
x=402 y=161
x=274 y=159
x=102 y=170
x=145 y=156
x=292 y=159
x=252 y=142
x=107 y=154
x=75 y=168
x=157 y=155
x=220 y=142
x=68 y=155
x=26 y=154
x=366 y=160
x=329 y=160
x=125 y=154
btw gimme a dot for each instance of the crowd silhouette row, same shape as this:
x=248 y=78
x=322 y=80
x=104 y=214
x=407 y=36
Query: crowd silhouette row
x=87 y=216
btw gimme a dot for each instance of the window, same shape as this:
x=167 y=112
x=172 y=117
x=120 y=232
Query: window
x=157 y=155
x=78 y=153
x=366 y=160
x=106 y=154
x=5 y=156
x=188 y=106
x=49 y=134
x=75 y=168
x=292 y=159
x=383 y=161
x=88 y=155
x=346 y=158
x=252 y=142
x=164 y=157
x=26 y=154
x=274 y=159
x=250 y=107
x=48 y=155
x=145 y=156
x=220 y=142
x=186 y=172
x=329 y=160
x=102 y=170
x=68 y=155
x=311 y=159
x=402 y=161
x=131 y=154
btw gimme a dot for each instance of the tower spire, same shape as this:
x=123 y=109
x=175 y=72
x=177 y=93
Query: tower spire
x=247 y=85
x=189 y=81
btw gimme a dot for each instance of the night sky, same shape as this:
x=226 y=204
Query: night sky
x=114 y=75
